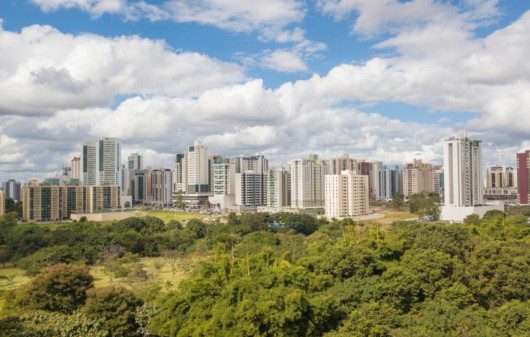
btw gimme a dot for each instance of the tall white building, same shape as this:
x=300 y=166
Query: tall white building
x=463 y=180
x=224 y=170
x=307 y=182
x=258 y=163
x=134 y=162
x=89 y=161
x=75 y=168
x=346 y=195
x=278 y=188
x=109 y=161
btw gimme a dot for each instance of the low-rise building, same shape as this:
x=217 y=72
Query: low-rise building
x=55 y=203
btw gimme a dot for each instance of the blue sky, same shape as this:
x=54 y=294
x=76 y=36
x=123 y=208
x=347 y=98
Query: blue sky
x=426 y=66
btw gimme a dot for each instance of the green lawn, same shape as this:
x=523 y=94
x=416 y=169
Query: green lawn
x=168 y=273
x=167 y=216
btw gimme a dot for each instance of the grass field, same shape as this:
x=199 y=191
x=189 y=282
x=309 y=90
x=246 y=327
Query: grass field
x=167 y=216
x=11 y=278
x=167 y=273
x=393 y=215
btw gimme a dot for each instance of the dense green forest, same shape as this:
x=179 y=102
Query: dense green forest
x=265 y=274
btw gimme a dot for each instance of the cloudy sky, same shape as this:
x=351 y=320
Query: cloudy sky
x=378 y=79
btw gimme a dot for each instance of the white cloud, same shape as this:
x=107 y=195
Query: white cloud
x=284 y=61
x=43 y=70
x=234 y=15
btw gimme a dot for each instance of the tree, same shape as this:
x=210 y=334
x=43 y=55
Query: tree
x=59 y=288
x=197 y=226
x=116 y=307
x=472 y=219
x=179 y=203
x=397 y=200
x=83 y=219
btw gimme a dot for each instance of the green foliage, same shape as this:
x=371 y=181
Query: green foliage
x=424 y=205
x=59 y=288
x=116 y=308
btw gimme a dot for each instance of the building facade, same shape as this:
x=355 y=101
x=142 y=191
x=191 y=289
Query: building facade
x=75 y=171
x=346 y=195
x=523 y=177
x=500 y=177
x=307 y=183
x=12 y=190
x=197 y=167
x=109 y=161
x=251 y=189
x=162 y=187
x=56 y=203
x=387 y=183
x=89 y=164
x=278 y=188
x=463 y=171
x=418 y=177
x=2 y=203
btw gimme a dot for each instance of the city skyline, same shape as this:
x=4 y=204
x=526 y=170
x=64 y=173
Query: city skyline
x=283 y=78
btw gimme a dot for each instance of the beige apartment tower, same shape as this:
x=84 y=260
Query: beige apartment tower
x=2 y=203
x=346 y=195
x=418 y=177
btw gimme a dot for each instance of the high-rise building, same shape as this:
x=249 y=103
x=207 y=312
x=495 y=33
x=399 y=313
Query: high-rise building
x=224 y=170
x=307 y=182
x=439 y=181
x=109 y=161
x=500 y=177
x=75 y=165
x=178 y=174
x=258 y=163
x=135 y=161
x=374 y=168
x=89 y=164
x=2 y=203
x=139 y=186
x=343 y=163
x=463 y=171
x=523 y=177
x=463 y=180
x=197 y=166
x=55 y=203
x=418 y=177
x=386 y=183
x=251 y=189
x=278 y=188
x=162 y=181
x=12 y=189
x=346 y=195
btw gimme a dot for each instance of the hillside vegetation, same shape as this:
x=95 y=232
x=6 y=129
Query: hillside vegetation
x=263 y=274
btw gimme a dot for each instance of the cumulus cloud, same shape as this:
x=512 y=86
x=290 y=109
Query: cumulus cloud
x=43 y=70
x=439 y=64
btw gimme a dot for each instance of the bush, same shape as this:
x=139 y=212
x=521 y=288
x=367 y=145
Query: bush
x=59 y=288
x=116 y=307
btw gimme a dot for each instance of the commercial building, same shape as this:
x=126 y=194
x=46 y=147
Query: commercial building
x=75 y=168
x=162 y=180
x=346 y=195
x=12 y=189
x=89 y=164
x=523 y=177
x=251 y=190
x=257 y=163
x=418 y=177
x=139 y=186
x=2 y=203
x=278 y=188
x=307 y=183
x=109 y=161
x=55 y=203
x=463 y=181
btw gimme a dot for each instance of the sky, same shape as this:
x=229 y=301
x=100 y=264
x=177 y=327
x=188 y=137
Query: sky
x=381 y=80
